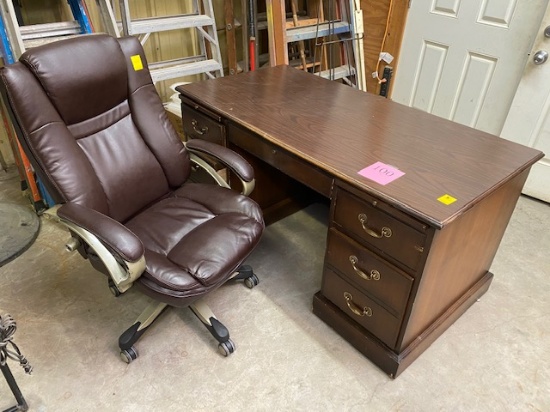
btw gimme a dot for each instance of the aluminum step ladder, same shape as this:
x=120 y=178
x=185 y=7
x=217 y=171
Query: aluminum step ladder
x=207 y=61
x=17 y=37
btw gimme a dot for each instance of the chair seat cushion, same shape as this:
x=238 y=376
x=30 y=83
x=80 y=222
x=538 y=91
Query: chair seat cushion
x=196 y=238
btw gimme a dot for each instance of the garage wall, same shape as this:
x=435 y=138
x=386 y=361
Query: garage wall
x=384 y=21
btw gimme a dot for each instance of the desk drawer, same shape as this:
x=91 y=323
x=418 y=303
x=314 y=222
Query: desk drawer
x=383 y=281
x=361 y=308
x=286 y=162
x=197 y=125
x=369 y=224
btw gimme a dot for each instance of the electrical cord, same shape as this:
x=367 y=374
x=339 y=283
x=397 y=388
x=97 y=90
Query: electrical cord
x=375 y=74
x=8 y=349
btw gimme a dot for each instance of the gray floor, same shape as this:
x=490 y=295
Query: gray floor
x=494 y=358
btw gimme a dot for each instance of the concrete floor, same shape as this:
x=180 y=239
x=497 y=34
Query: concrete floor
x=494 y=358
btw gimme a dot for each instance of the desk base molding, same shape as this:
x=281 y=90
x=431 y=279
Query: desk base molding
x=390 y=362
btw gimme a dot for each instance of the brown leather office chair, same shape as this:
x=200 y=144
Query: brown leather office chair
x=89 y=118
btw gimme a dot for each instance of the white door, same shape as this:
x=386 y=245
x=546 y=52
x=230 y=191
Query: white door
x=463 y=59
x=528 y=121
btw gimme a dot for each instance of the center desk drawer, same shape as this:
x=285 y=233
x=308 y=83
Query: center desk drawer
x=361 y=308
x=368 y=223
x=389 y=285
x=291 y=165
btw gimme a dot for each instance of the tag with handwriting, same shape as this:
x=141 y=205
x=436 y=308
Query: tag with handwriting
x=381 y=173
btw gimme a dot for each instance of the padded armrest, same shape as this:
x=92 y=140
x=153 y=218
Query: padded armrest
x=113 y=234
x=228 y=157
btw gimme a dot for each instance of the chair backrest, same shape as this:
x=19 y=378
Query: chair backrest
x=90 y=120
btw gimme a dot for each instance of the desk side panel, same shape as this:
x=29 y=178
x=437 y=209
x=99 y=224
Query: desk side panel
x=461 y=254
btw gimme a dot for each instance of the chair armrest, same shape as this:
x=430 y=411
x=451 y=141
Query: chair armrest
x=121 y=251
x=113 y=234
x=235 y=162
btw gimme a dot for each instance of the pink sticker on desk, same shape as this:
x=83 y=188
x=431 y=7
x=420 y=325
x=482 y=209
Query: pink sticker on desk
x=381 y=173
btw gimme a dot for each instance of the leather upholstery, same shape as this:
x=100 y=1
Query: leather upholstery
x=95 y=129
x=112 y=233
x=229 y=158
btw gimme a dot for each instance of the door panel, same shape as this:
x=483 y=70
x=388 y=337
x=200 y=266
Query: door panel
x=462 y=60
x=497 y=13
x=430 y=69
x=446 y=7
x=477 y=73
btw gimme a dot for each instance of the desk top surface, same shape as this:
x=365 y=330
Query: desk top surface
x=342 y=131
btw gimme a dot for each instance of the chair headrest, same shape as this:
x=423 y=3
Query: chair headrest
x=83 y=76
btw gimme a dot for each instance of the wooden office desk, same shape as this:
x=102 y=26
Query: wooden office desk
x=403 y=260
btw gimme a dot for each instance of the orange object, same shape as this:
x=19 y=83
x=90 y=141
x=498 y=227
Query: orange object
x=252 y=53
x=29 y=174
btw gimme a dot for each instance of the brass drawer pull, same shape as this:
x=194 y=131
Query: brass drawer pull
x=200 y=131
x=373 y=275
x=365 y=311
x=385 y=232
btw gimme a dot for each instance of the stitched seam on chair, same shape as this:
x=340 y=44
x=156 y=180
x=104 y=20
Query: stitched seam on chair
x=173 y=285
x=119 y=112
x=195 y=274
x=27 y=140
x=34 y=71
x=44 y=126
x=195 y=278
x=156 y=282
x=142 y=87
x=39 y=161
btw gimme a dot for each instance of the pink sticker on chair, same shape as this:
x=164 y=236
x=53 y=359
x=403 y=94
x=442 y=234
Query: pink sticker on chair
x=381 y=173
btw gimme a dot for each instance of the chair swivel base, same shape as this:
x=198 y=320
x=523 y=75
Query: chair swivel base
x=226 y=346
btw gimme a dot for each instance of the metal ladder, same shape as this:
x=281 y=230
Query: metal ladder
x=344 y=31
x=341 y=28
x=207 y=61
x=17 y=37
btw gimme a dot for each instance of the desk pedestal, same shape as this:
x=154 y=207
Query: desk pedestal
x=386 y=359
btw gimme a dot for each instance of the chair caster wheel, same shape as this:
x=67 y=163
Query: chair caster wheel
x=114 y=290
x=226 y=348
x=128 y=355
x=251 y=281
